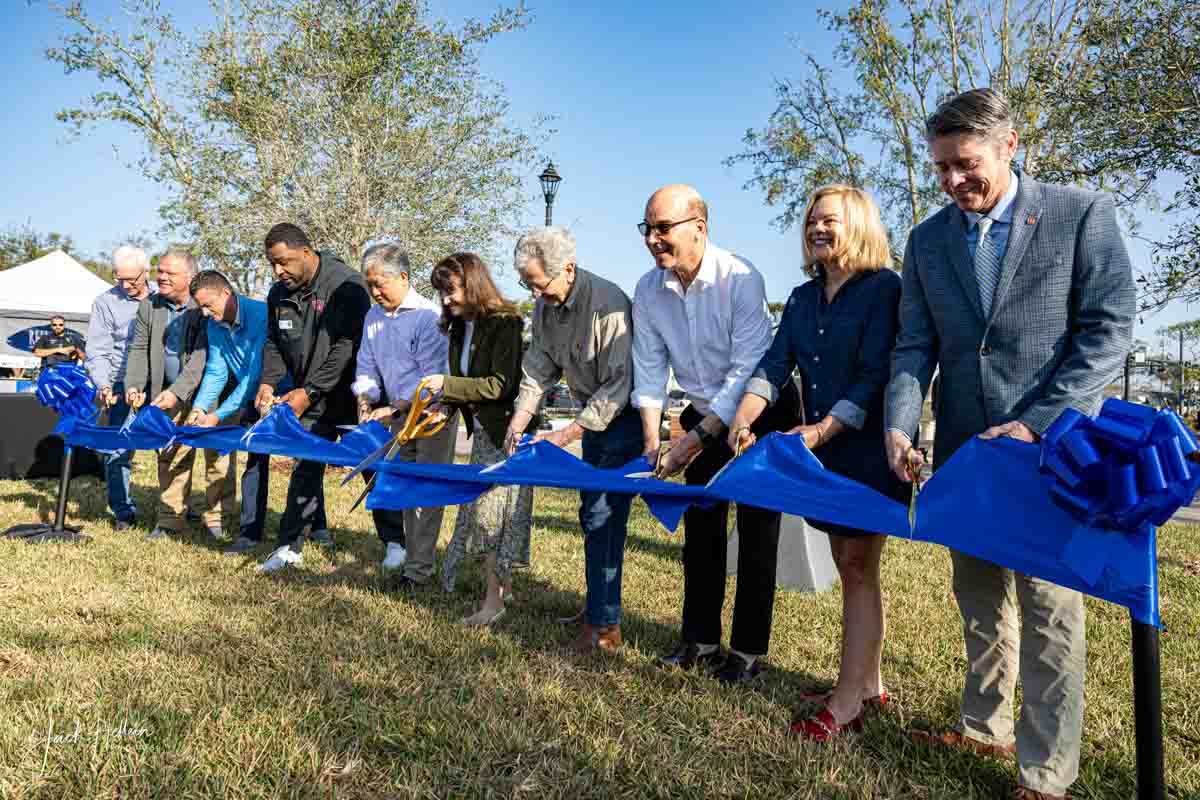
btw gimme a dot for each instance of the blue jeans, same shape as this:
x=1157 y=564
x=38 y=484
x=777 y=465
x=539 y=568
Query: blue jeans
x=603 y=516
x=119 y=465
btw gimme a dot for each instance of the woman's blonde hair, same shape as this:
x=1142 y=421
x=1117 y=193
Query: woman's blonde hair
x=866 y=246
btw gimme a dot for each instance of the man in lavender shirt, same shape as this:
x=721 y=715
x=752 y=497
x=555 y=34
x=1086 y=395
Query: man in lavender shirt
x=401 y=342
x=110 y=332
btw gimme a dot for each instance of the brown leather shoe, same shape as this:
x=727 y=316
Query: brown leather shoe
x=585 y=642
x=1023 y=793
x=609 y=638
x=959 y=741
x=574 y=619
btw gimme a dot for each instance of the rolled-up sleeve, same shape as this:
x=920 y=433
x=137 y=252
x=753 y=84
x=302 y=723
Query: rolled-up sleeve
x=650 y=370
x=777 y=363
x=750 y=341
x=615 y=354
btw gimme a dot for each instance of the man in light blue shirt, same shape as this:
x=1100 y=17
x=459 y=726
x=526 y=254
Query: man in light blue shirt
x=402 y=342
x=237 y=332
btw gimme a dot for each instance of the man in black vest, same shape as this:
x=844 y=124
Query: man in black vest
x=315 y=314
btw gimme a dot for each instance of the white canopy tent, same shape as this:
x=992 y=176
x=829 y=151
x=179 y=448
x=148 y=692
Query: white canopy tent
x=32 y=293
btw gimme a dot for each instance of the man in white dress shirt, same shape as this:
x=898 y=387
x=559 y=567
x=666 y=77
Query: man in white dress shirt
x=702 y=311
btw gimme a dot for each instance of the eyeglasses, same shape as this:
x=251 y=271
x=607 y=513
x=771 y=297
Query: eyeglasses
x=529 y=287
x=661 y=228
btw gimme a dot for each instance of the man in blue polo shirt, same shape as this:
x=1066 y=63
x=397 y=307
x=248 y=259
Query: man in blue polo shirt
x=237 y=331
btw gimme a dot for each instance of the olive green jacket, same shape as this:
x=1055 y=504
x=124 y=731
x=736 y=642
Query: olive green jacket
x=489 y=390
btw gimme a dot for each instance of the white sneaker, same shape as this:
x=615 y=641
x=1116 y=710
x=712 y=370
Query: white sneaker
x=395 y=557
x=283 y=557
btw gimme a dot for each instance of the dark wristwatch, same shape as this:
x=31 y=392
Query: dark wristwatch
x=313 y=395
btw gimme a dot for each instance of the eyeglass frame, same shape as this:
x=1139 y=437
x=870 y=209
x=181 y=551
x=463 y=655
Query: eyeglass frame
x=540 y=290
x=662 y=228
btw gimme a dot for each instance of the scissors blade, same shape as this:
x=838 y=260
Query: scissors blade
x=366 y=491
x=386 y=451
x=648 y=474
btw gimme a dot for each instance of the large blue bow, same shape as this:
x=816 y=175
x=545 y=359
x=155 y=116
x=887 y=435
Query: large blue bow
x=1123 y=469
x=69 y=390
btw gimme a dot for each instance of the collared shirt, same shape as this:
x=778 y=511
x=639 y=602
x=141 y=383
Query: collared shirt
x=235 y=348
x=173 y=341
x=1001 y=215
x=587 y=341
x=399 y=348
x=712 y=335
x=110 y=332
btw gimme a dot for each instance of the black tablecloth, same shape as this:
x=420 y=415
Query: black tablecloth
x=28 y=449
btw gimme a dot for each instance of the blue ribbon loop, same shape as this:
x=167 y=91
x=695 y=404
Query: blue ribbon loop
x=69 y=390
x=1124 y=469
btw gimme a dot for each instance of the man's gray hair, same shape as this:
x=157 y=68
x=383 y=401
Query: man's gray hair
x=183 y=254
x=553 y=246
x=132 y=255
x=983 y=113
x=390 y=259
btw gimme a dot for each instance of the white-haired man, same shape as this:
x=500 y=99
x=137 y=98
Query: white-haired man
x=583 y=334
x=110 y=332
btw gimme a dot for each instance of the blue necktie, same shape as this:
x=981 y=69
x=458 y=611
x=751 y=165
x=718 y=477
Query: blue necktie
x=987 y=266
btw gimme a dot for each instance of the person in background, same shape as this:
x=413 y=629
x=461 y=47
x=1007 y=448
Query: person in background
x=61 y=346
x=401 y=342
x=582 y=332
x=110 y=332
x=485 y=372
x=837 y=331
x=1022 y=294
x=166 y=363
x=702 y=313
x=315 y=314
x=237 y=333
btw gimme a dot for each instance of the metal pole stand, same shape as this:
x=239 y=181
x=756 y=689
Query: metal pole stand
x=1147 y=712
x=37 y=532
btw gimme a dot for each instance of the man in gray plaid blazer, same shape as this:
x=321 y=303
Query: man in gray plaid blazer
x=1022 y=294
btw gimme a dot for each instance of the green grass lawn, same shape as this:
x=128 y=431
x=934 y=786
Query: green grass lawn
x=187 y=674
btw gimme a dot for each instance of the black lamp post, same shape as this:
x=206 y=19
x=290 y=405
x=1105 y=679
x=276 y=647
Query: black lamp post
x=550 y=179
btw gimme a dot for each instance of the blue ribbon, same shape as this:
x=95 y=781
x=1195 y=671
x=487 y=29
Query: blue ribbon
x=69 y=390
x=989 y=500
x=1124 y=469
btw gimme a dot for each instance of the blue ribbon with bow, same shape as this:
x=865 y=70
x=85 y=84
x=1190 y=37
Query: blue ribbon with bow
x=69 y=390
x=1125 y=469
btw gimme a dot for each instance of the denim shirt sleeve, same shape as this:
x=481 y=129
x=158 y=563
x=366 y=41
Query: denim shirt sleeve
x=873 y=362
x=777 y=363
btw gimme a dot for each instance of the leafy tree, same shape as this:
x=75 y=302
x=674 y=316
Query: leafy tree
x=20 y=245
x=1134 y=106
x=904 y=56
x=360 y=120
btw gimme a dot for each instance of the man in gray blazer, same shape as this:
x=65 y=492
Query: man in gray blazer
x=166 y=365
x=1022 y=294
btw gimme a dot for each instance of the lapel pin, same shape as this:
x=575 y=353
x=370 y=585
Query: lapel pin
x=1030 y=220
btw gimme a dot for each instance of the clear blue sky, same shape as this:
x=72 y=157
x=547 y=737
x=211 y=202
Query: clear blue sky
x=642 y=94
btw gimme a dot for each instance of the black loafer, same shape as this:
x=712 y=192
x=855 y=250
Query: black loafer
x=687 y=655
x=735 y=671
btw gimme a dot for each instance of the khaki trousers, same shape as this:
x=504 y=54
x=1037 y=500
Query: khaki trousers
x=175 y=466
x=423 y=525
x=1047 y=650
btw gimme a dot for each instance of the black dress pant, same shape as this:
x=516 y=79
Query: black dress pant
x=705 y=543
x=305 y=510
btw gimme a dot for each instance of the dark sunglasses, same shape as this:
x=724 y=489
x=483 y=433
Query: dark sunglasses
x=661 y=228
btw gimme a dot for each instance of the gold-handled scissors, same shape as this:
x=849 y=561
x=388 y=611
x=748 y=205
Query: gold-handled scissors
x=417 y=425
